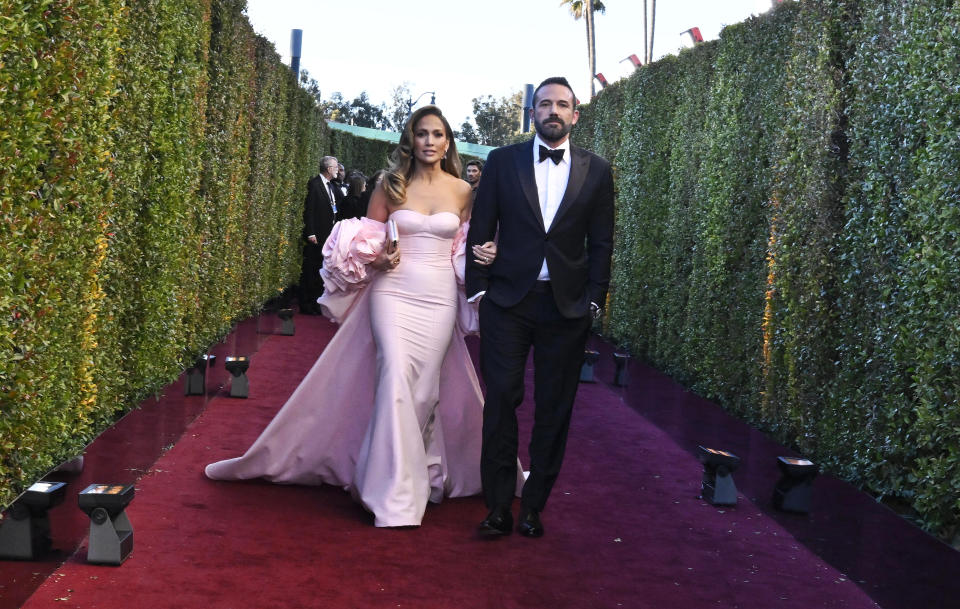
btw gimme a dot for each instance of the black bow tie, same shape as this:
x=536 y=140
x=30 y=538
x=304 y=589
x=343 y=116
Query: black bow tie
x=556 y=155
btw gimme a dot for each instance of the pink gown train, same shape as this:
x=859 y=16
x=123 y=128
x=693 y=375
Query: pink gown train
x=392 y=409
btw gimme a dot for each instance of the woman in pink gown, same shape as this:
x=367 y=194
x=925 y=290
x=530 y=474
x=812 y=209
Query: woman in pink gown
x=392 y=409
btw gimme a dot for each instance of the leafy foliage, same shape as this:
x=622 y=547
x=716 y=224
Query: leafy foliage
x=153 y=166
x=57 y=86
x=787 y=234
x=497 y=120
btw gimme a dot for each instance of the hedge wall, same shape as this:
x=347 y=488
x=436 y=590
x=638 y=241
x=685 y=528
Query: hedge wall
x=899 y=347
x=57 y=92
x=154 y=157
x=787 y=234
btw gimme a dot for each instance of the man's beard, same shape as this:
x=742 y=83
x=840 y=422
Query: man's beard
x=553 y=132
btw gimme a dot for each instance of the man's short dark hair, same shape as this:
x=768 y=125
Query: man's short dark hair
x=479 y=164
x=555 y=80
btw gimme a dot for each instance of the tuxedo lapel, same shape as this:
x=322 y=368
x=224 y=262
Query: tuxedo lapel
x=528 y=181
x=579 y=164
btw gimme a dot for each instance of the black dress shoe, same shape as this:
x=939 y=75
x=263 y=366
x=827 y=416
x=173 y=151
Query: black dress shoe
x=529 y=524
x=499 y=522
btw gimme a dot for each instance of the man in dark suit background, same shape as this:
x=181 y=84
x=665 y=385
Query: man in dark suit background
x=552 y=204
x=471 y=173
x=319 y=213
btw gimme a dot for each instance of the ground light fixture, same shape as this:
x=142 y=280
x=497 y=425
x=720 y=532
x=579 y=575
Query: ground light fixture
x=590 y=358
x=196 y=381
x=111 y=535
x=286 y=322
x=237 y=367
x=717 y=487
x=25 y=532
x=620 y=376
x=794 y=490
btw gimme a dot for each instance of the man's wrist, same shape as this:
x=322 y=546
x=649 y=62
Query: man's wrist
x=595 y=310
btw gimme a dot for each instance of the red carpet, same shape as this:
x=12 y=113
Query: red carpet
x=624 y=528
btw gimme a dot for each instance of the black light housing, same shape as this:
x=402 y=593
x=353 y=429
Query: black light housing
x=237 y=367
x=717 y=487
x=111 y=535
x=286 y=322
x=621 y=377
x=590 y=358
x=196 y=381
x=25 y=533
x=794 y=490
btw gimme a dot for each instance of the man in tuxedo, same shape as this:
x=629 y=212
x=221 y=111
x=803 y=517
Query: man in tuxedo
x=552 y=204
x=319 y=213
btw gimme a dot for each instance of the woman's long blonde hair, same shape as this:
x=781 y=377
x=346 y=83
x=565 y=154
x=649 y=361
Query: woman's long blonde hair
x=403 y=163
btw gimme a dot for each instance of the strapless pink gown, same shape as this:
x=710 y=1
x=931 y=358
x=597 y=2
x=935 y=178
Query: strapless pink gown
x=399 y=433
x=413 y=309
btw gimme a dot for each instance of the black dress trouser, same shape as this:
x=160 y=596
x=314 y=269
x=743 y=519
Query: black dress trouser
x=311 y=284
x=507 y=334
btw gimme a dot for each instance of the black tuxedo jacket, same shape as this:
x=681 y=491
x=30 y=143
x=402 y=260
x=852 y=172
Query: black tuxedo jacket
x=577 y=247
x=318 y=215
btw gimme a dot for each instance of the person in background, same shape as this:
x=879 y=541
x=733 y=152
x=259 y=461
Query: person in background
x=319 y=214
x=341 y=179
x=472 y=173
x=372 y=183
x=352 y=206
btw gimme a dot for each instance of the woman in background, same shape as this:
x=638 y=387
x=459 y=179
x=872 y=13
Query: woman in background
x=372 y=183
x=352 y=206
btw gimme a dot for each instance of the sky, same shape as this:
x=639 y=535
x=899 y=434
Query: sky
x=461 y=49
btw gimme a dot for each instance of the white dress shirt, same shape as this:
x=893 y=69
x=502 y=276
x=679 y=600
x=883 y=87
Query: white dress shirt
x=552 y=181
x=326 y=187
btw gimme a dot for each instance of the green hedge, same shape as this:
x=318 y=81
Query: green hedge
x=899 y=348
x=153 y=166
x=57 y=90
x=787 y=234
x=367 y=155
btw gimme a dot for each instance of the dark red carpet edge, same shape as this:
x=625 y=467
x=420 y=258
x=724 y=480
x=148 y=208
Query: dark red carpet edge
x=624 y=529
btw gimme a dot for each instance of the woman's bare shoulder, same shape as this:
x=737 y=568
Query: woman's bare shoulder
x=462 y=194
x=458 y=186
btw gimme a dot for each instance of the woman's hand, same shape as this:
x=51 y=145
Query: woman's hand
x=387 y=259
x=485 y=254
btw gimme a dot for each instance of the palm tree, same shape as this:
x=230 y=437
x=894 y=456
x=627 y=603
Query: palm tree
x=648 y=30
x=653 y=23
x=579 y=8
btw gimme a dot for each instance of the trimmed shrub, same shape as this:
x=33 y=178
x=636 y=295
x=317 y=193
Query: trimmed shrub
x=787 y=234
x=153 y=166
